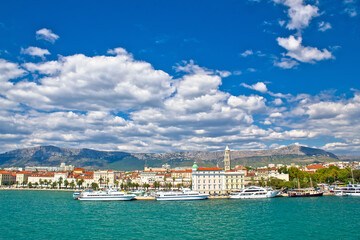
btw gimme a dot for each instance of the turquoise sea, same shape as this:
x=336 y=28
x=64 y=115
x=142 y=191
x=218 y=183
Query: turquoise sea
x=55 y=215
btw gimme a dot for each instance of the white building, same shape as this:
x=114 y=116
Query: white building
x=106 y=177
x=208 y=180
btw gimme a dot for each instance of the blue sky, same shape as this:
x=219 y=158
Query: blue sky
x=160 y=76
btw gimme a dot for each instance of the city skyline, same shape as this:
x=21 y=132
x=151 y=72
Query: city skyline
x=175 y=76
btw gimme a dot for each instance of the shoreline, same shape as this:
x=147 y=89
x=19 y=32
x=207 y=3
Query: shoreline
x=136 y=198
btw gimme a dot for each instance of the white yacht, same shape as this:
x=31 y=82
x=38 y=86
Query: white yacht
x=349 y=190
x=253 y=192
x=185 y=194
x=106 y=195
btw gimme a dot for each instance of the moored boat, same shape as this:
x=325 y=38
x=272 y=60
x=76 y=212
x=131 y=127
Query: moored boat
x=185 y=194
x=254 y=192
x=106 y=195
x=305 y=192
x=349 y=190
x=76 y=195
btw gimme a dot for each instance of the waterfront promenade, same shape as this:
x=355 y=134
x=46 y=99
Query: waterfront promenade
x=55 y=215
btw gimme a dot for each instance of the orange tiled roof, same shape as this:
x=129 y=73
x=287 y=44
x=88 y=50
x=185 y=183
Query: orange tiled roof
x=315 y=166
x=209 y=169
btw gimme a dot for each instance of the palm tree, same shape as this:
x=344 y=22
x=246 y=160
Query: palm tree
x=24 y=183
x=60 y=182
x=36 y=184
x=94 y=185
x=116 y=183
x=30 y=185
x=66 y=183
x=17 y=182
x=46 y=183
x=53 y=185
x=173 y=181
x=145 y=185
x=41 y=182
x=80 y=182
x=101 y=180
x=107 y=182
x=72 y=184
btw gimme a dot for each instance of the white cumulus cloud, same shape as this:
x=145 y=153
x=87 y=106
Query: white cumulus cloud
x=47 y=35
x=35 y=51
x=296 y=50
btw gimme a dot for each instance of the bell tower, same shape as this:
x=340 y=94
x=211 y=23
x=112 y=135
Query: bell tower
x=227 y=161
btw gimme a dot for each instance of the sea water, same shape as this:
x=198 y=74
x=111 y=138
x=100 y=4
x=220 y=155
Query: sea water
x=55 y=215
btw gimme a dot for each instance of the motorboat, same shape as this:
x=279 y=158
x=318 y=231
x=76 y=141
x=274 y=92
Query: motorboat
x=253 y=192
x=184 y=194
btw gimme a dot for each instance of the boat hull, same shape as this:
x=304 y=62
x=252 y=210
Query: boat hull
x=106 y=198
x=182 y=198
x=307 y=195
x=268 y=195
x=353 y=194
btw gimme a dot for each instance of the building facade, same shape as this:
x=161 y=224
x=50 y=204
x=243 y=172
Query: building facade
x=208 y=180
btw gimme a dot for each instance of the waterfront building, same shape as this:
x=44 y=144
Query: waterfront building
x=104 y=177
x=7 y=178
x=147 y=177
x=234 y=180
x=227 y=160
x=36 y=177
x=22 y=177
x=208 y=180
x=182 y=177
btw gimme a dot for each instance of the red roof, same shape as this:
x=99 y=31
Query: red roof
x=79 y=169
x=24 y=172
x=4 y=172
x=315 y=166
x=209 y=169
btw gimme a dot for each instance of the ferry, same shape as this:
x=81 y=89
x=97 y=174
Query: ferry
x=106 y=195
x=349 y=190
x=254 y=192
x=185 y=194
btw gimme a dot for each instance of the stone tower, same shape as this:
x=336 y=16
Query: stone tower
x=227 y=161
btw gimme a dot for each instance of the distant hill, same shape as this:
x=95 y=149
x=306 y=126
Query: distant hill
x=53 y=156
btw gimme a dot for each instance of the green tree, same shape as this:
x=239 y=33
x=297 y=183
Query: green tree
x=46 y=183
x=116 y=182
x=30 y=185
x=41 y=182
x=66 y=183
x=36 y=184
x=173 y=181
x=72 y=184
x=94 y=185
x=80 y=183
x=60 y=182
x=54 y=184
x=145 y=185
x=101 y=180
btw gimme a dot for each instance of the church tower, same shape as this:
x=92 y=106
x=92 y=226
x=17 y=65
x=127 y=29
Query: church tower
x=227 y=161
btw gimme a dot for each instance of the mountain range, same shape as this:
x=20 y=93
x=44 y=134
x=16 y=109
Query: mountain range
x=94 y=159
